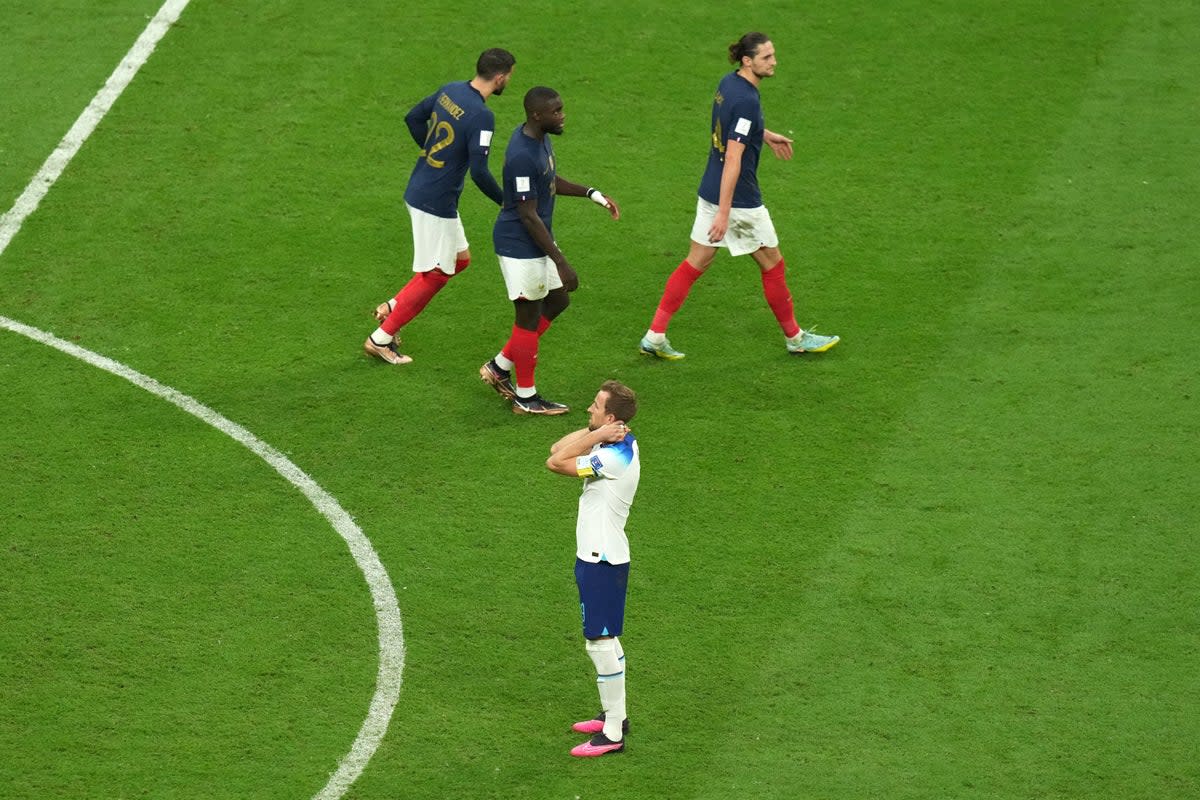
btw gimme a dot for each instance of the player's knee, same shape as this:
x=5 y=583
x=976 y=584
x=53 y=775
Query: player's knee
x=527 y=313
x=603 y=653
x=555 y=303
x=768 y=257
x=700 y=257
x=435 y=278
x=462 y=261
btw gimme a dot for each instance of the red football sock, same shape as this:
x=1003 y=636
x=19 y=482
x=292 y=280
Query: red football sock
x=678 y=286
x=415 y=295
x=506 y=351
x=775 y=289
x=524 y=348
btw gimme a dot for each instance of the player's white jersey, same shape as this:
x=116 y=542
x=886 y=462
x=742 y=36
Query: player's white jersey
x=610 y=473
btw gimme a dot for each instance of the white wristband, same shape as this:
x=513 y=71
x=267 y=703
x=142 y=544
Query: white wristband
x=595 y=196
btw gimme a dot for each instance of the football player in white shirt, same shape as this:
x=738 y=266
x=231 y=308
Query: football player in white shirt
x=605 y=455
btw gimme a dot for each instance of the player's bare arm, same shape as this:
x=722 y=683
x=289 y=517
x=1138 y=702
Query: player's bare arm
x=570 y=437
x=527 y=210
x=729 y=179
x=562 y=460
x=568 y=189
x=780 y=145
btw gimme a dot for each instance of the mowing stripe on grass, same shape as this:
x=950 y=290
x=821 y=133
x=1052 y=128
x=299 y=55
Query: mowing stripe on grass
x=54 y=165
x=383 y=593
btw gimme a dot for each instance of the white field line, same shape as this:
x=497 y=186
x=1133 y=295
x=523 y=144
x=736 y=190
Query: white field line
x=383 y=593
x=25 y=205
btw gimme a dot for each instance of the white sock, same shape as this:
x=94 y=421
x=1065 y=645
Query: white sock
x=655 y=338
x=382 y=337
x=610 y=680
x=624 y=667
x=503 y=363
x=526 y=392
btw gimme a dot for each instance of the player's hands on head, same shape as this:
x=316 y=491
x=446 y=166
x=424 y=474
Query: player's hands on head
x=613 y=431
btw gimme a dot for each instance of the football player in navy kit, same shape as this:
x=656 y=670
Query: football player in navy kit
x=729 y=211
x=453 y=127
x=536 y=273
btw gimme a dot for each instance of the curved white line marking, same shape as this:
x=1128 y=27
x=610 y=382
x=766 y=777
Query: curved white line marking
x=387 y=611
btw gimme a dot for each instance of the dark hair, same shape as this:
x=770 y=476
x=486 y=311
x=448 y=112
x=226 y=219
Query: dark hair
x=621 y=402
x=747 y=46
x=493 y=62
x=538 y=98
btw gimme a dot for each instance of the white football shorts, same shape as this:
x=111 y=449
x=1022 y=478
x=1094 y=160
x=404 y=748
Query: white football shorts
x=529 y=278
x=437 y=241
x=749 y=228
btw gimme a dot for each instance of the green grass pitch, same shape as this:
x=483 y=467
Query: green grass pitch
x=955 y=557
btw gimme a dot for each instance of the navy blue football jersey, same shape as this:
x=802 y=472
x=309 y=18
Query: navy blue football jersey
x=528 y=173
x=454 y=128
x=736 y=116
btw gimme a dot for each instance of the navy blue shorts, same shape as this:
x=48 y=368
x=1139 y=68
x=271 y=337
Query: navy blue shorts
x=602 y=589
